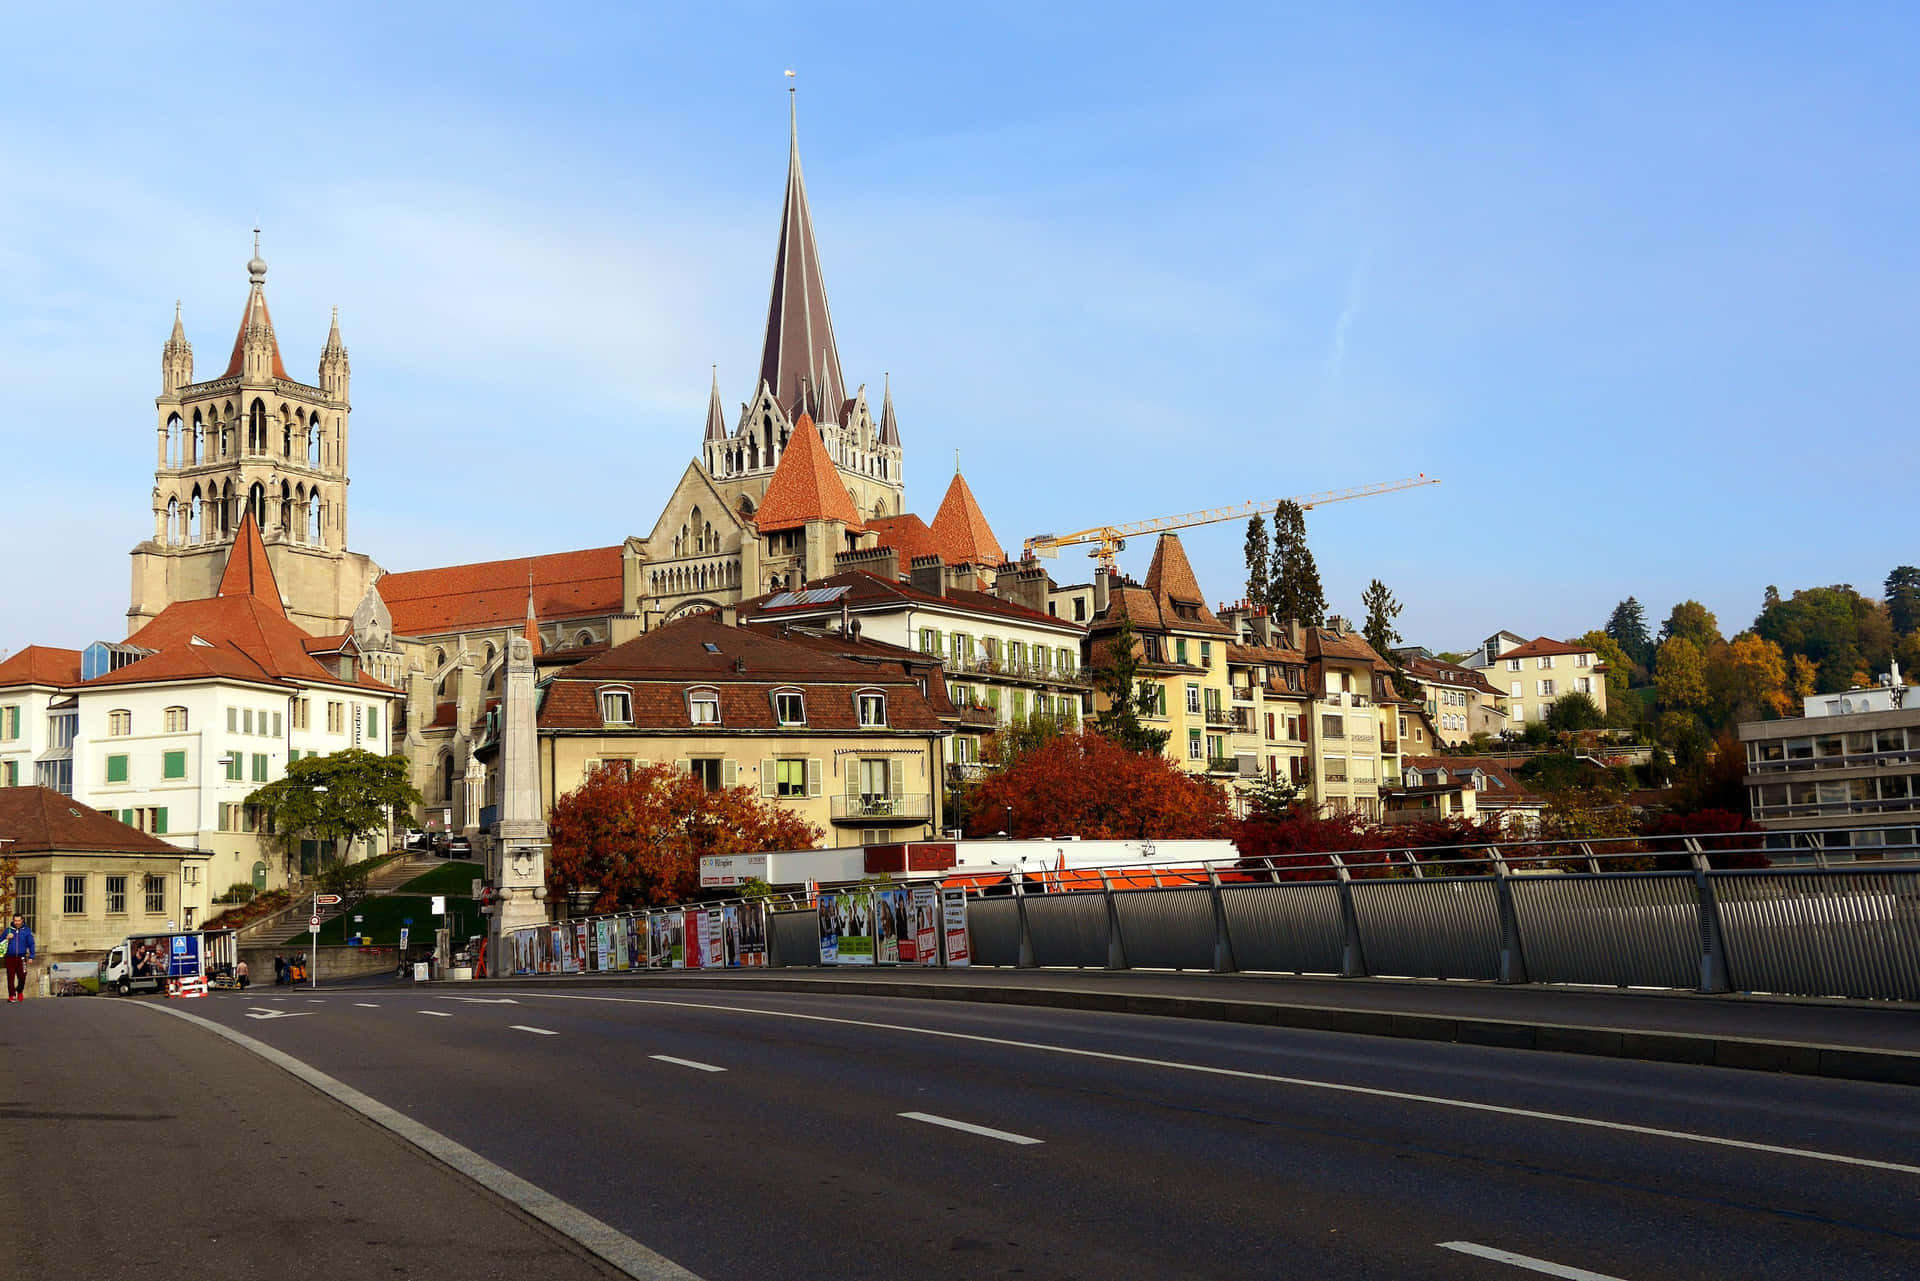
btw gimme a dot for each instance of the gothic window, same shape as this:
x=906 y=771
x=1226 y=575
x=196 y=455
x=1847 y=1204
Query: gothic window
x=583 y=639
x=199 y=437
x=312 y=519
x=313 y=442
x=176 y=442
x=286 y=432
x=195 y=531
x=173 y=521
x=257 y=504
x=257 y=429
x=446 y=775
x=286 y=510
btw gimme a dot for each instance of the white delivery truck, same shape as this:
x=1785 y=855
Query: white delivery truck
x=145 y=962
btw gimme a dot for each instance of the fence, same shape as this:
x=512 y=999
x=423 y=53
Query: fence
x=1709 y=913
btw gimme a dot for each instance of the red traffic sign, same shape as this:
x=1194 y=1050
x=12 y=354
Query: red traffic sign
x=313 y=924
x=326 y=900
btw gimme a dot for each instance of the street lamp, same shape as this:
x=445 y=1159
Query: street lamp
x=1009 y=810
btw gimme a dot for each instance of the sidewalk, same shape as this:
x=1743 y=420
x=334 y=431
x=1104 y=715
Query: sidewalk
x=139 y=1146
x=1873 y=1041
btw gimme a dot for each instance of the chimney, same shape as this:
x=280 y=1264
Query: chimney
x=1023 y=584
x=882 y=562
x=927 y=574
x=1100 y=591
x=966 y=578
x=729 y=616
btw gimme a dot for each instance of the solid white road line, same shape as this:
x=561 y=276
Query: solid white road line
x=438 y=1014
x=1338 y=1087
x=618 y=1249
x=367 y=1005
x=479 y=1000
x=1522 y=1261
x=537 y=1031
x=983 y=1131
x=687 y=1063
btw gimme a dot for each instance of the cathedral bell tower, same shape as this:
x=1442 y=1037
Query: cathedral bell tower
x=252 y=440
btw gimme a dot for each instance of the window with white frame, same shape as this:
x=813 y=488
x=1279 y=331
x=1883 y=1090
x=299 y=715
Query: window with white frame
x=1583 y=660
x=789 y=707
x=176 y=720
x=616 y=707
x=872 y=708
x=703 y=706
x=1513 y=664
x=119 y=724
x=1546 y=662
x=1546 y=689
x=1193 y=699
x=1584 y=684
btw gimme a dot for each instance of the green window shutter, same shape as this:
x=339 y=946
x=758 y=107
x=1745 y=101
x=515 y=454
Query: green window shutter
x=160 y=821
x=373 y=722
x=116 y=769
x=234 y=765
x=1180 y=649
x=173 y=765
x=233 y=720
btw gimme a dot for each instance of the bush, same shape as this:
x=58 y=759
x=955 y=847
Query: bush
x=238 y=892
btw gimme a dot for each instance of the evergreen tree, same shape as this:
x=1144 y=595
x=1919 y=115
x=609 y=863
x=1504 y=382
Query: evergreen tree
x=1380 y=609
x=1128 y=697
x=1259 y=575
x=1628 y=627
x=1295 y=591
x=1903 y=599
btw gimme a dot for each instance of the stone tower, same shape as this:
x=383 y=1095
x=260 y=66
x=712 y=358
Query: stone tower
x=800 y=375
x=252 y=440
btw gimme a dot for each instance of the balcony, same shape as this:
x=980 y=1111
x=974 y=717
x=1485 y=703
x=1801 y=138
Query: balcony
x=1223 y=765
x=1229 y=717
x=863 y=810
x=983 y=665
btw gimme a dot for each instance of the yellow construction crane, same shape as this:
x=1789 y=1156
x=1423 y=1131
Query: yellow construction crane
x=1108 y=540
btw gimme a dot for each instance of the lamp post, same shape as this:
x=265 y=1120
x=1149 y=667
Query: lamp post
x=1009 y=810
x=313 y=948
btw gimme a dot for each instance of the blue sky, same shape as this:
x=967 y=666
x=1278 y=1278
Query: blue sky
x=1636 y=283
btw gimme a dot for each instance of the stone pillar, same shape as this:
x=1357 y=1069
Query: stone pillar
x=517 y=857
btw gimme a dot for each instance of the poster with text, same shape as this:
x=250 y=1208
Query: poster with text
x=890 y=923
x=677 y=939
x=829 y=909
x=184 y=959
x=694 y=925
x=856 y=927
x=923 y=939
x=753 y=933
x=954 y=912
x=582 y=946
x=602 y=945
x=730 y=935
x=659 y=945
x=634 y=955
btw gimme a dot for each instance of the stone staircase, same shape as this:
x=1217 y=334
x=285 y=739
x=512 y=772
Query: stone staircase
x=388 y=878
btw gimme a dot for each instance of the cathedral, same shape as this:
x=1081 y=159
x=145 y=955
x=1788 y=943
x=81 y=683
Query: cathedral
x=806 y=473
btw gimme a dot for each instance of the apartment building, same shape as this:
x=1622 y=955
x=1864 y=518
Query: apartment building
x=1850 y=761
x=1533 y=674
x=1459 y=701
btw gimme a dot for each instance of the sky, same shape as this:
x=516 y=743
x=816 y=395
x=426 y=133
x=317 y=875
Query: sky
x=1636 y=283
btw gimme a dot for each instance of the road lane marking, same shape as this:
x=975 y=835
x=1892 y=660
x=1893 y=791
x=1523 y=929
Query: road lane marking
x=479 y=1000
x=598 y=1238
x=367 y=1005
x=687 y=1063
x=984 y=1131
x=537 y=1031
x=263 y=1012
x=1337 y=1087
x=438 y=1014
x=1523 y=1261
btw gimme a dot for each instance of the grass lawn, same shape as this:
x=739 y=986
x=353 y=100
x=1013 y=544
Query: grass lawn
x=448 y=878
x=383 y=917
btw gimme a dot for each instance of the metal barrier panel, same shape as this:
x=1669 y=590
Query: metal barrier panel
x=1431 y=928
x=1822 y=933
x=795 y=938
x=1290 y=928
x=1166 y=929
x=1639 y=929
x=993 y=924
x=1069 y=929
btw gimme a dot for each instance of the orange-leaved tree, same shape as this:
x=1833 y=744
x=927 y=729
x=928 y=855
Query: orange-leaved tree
x=636 y=836
x=1085 y=784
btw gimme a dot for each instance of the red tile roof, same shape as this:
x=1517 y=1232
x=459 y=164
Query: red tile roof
x=566 y=585
x=42 y=821
x=908 y=535
x=805 y=486
x=248 y=571
x=961 y=530
x=1439 y=673
x=237 y=364
x=866 y=589
x=1542 y=646
x=1170 y=601
x=41 y=665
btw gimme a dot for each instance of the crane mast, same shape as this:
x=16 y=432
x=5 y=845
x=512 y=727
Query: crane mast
x=1107 y=540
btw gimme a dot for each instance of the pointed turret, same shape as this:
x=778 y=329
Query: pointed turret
x=531 y=630
x=961 y=529
x=889 y=429
x=716 y=416
x=799 y=359
x=249 y=572
x=176 y=358
x=805 y=487
x=256 y=352
x=334 y=368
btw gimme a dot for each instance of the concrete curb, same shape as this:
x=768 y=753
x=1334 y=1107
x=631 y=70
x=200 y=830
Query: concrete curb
x=1840 y=1062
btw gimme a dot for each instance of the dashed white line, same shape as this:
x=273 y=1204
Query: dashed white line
x=984 y=1131
x=367 y=1005
x=438 y=1014
x=1523 y=1261
x=687 y=1063
x=537 y=1031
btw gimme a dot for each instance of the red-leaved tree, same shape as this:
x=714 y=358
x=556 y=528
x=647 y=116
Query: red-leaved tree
x=637 y=837
x=1084 y=784
x=1294 y=846
x=1729 y=840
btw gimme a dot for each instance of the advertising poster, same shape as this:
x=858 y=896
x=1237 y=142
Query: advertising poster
x=723 y=929
x=753 y=933
x=582 y=945
x=856 y=927
x=184 y=959
x=604 y=958
x=659 y=952
x=954 y=913
x=523 y=950
x=890 y=924
x=829 y=908
x=694 y=923
x=921 y=945
x=74 y=978
x=677 y=940
x=634 y=955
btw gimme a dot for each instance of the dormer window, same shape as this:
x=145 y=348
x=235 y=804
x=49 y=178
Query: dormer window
x=789 y=707
x=616 y=706
x=703 y=706
x=872 y=707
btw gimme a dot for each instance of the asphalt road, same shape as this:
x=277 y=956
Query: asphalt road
x=770 y=1135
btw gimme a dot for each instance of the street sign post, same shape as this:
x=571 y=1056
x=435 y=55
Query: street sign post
x=313 y=925
x=325 y=900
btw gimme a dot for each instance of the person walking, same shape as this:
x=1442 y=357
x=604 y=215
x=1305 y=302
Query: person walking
x=279 y=969
x=17 y=946
x=240 y=973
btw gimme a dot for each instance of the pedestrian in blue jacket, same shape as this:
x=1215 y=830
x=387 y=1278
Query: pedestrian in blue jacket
x=16 y=945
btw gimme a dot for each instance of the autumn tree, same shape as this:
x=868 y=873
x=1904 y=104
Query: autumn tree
x=1844 y=633
x=1680 y=674
x=1695 y=622
x=1575 y=711
x=334 y=800
x=1619 y=674
x=1627 y=625
x=1746 y=679
x=1086 y=784
x=1294 y=592
x=635 y=836
x=1259 y=572
x=1903 y=599
x=1116 y=674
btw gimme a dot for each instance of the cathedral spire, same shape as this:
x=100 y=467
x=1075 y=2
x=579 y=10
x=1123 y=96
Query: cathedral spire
x=716 y=416
x=334 y=367
x=799 y=359
x=531 y=629
x=176 y=358
x=889 y=429
x=256 y=329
